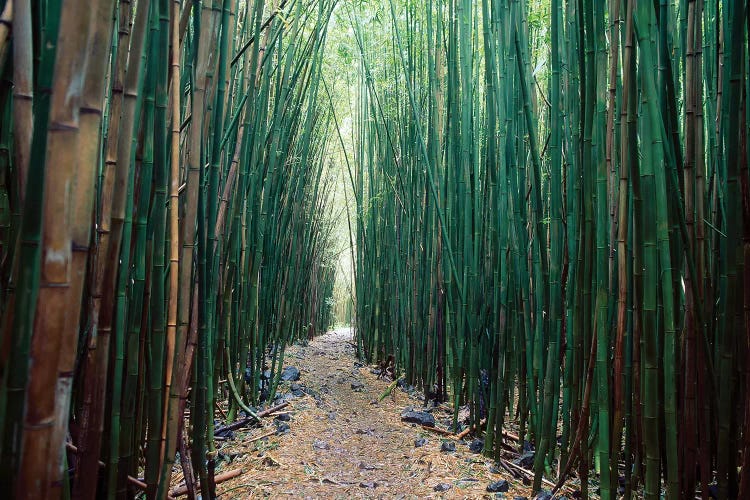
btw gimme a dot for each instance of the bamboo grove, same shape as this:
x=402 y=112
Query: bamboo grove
x=563 y=241
x=164 y=231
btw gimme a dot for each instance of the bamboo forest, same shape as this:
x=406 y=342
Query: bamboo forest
x=506 y=244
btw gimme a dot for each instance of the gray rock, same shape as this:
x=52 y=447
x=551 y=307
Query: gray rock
x=498 y=486
x=440 y=487
x=526 y=460
x=448 y=446
x=477 y=446
x=418 y=417
x=282 y=428
x=290 y=374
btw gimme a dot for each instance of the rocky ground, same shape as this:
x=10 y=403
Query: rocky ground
x=336 y=440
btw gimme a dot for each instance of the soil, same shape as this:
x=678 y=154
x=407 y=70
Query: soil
x=343 y=443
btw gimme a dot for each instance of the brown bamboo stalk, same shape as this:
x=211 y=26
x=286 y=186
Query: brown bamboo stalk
x=688 y=430
x=576 y=449
x=622 y=222
x=193 y=175
x=6 y=20
x=83 y=195
x=23 y=94
x=110 y=159
x=186 y=283
x=175 y=418
x=55 y=288
x=108 y=258
x=172 y=359
x=105 y=197
x=187 y=466
x=702 y=375
x=228 y=188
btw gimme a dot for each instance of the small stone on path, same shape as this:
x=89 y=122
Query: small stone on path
x=418 y=417
x=526 y=460
x=477 y=446
x=282 y=428
x=448 y=446
x=499 y=486
x=321 y=445
x=290 y=374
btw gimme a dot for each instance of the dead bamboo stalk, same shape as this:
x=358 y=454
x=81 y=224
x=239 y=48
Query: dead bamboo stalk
x=241 y=423
x=224 y=476
x=56 y=285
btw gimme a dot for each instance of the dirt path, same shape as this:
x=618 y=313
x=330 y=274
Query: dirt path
x=341 y=445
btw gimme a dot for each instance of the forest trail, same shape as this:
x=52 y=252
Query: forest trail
x=342 y=445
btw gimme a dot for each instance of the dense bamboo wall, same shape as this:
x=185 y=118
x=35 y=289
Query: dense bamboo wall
x=163 y=225
x=565 y=245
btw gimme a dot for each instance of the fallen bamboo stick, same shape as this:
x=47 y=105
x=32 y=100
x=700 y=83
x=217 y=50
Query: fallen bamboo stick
x=242 y=423
x=469 y=430
x=438 y=430
x=224 y=476
x=527 y=472
x=256 y=438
